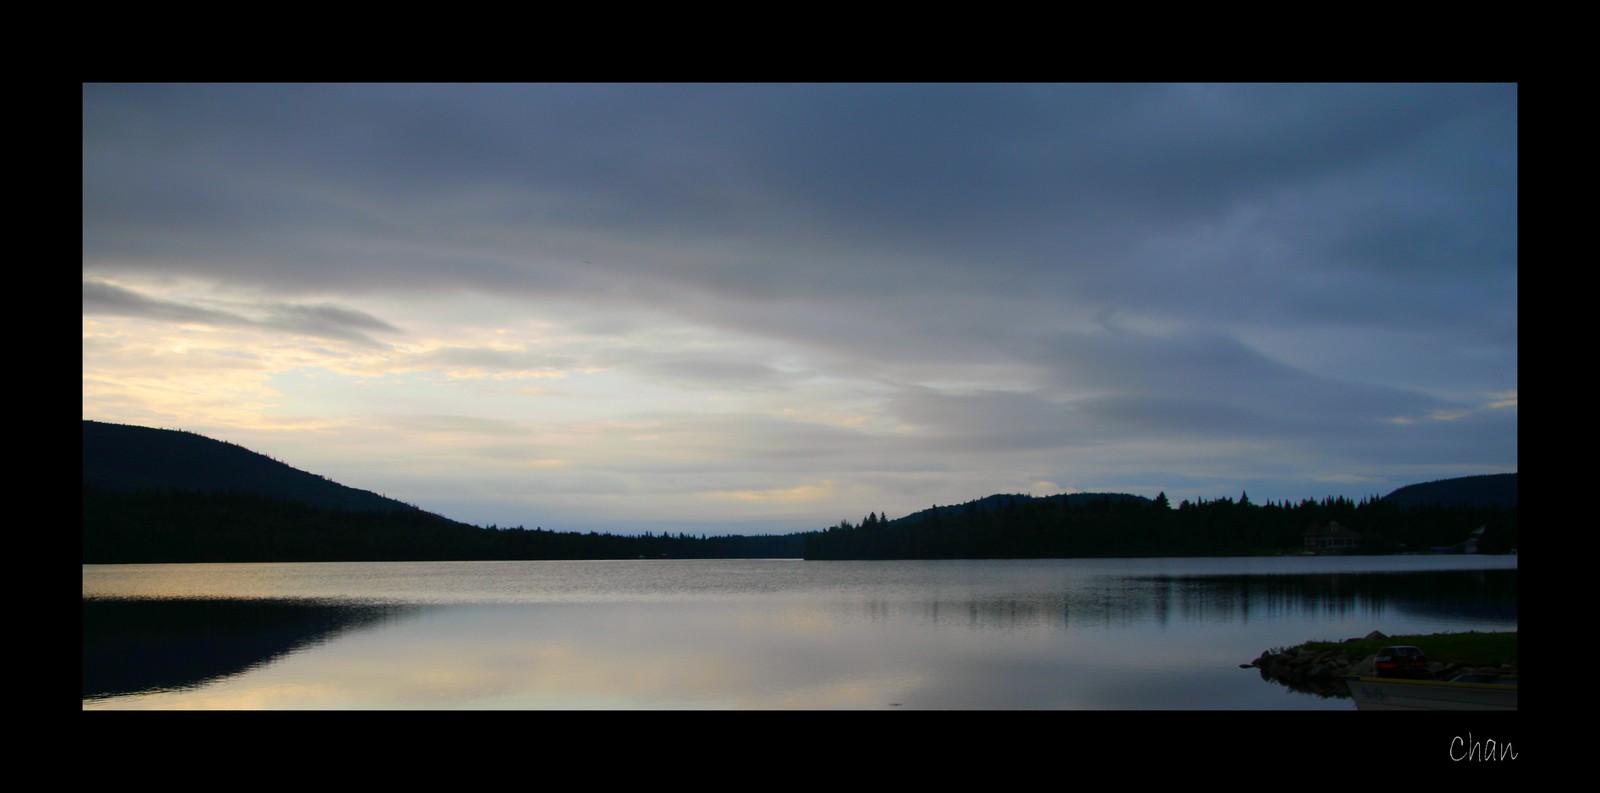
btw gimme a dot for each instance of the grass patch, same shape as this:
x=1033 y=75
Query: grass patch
x=1471 y=648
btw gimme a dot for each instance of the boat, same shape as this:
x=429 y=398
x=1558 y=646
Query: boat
x=1467 y=692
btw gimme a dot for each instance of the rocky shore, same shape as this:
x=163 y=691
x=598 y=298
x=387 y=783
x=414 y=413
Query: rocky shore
x=1322 y=672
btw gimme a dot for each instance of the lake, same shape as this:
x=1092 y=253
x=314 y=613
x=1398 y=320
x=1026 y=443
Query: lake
x=1095 y=634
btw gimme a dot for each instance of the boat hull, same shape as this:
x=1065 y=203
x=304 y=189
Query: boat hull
x=1385 y=693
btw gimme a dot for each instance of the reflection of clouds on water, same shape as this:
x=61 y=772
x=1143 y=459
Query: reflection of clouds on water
x=1053 y=634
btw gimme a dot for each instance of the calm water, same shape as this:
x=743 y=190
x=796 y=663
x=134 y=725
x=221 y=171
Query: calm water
x=1142 y=634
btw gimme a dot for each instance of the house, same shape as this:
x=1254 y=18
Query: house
x=1332 y=537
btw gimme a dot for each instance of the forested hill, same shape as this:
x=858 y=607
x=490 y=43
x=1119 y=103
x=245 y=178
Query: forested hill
x=1002 y=500
x=1464 y=491
x=1016 y=527
x=122 y=458
x=168 y=496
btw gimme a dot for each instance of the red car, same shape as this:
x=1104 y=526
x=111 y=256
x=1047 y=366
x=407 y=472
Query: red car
x=1400 y=662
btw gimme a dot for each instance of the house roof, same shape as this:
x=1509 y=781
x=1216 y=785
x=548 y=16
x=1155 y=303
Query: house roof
x=1333 y=529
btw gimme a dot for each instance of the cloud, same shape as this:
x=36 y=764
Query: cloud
x=107 y=299
x=797 y=494
x=720 y=181
x=490 y=361
x=985 y=421
x=321 y=321
x=738 y=375
x=924 y=290
x=327 y=318
x=1206 y=366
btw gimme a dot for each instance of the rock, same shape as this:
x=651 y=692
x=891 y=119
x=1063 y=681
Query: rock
x=1323 y=672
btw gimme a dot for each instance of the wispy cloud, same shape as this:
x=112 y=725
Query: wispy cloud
x=919 y=293
x=319 y=321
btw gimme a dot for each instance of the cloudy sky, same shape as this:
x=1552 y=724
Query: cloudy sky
x=752 y=308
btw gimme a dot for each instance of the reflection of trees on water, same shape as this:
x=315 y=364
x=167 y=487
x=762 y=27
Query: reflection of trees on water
x=1461 y=595
x=133 y=646
x=1489 y=595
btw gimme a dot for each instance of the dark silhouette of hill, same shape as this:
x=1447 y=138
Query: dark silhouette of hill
x=122 y=458
x=1001 y=500
x=1464 y=491
x=1102 y=524
x=170 y=496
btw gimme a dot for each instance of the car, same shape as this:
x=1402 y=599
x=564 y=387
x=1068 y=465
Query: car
x=1400 y=661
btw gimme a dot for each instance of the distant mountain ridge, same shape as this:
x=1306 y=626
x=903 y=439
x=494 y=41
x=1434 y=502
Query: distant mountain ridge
x=163 y=496
x=123 y=458
x=153 y=495
x=1001 y=500
x=1464 y=491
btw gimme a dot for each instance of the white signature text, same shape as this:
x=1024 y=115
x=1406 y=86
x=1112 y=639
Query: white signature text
x=1486 y=749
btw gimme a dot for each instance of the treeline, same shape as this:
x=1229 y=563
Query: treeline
x=150 y=526
x=1025 y=528
x=186 y=526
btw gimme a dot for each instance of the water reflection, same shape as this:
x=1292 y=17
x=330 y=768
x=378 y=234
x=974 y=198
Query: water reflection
x=1448 y=595
x=1099 y=634
x=133 y=646
x=1466 y=597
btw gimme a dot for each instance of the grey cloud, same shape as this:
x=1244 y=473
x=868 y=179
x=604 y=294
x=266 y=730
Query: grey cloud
x=891 y=234
x=107 y=299
x=718 y=373
x=495 y=359
x=1482 y=441
x=751 y=439
x=322 y=321
x=1118 y=388
x=833 y=215
x=326 y=321
x=986 y=422
x=1213 y=367
x=329 y=316
x=1178 y=418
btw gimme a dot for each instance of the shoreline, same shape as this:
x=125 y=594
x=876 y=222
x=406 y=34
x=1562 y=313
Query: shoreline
x=1320 y=667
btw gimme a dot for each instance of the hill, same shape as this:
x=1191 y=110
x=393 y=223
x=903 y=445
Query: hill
x=121 y=458
x=1113 y=524
x=152 y=496
x=1002 y=500
x=169 y=496
x=1464 y=491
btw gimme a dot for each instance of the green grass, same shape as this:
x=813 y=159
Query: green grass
x=1472 y=648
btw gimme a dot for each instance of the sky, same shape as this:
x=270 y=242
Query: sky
x=768 y=308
